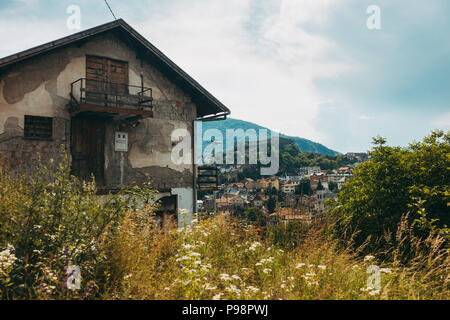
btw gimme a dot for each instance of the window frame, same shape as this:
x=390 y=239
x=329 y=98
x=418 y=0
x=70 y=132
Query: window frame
x=26 y=128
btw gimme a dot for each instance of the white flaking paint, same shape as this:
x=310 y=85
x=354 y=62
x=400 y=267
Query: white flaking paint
x=73 y=71
x=34 y=103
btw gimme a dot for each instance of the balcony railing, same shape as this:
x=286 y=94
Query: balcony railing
x=102 y=96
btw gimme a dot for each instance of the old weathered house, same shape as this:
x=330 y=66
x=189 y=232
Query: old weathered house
x=113 y=100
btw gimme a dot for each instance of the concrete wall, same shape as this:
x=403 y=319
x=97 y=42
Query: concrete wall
x=41 y=85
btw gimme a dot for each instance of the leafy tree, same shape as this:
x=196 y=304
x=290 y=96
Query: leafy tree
x=271 y=204
x=320 y=186
x=389 y=186
x=253 y=216
x=304 y=187
x=332 y=186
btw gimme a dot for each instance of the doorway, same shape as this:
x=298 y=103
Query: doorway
x=88 y=148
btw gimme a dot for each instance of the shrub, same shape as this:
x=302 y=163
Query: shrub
x=389 y=186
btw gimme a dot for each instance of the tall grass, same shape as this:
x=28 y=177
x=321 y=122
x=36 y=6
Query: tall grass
x=220 y=258
x=51 y=221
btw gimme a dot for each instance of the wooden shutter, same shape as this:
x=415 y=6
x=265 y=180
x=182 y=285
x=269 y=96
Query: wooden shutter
x=106 y=75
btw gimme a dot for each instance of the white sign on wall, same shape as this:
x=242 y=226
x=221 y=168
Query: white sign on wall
x=121 y=143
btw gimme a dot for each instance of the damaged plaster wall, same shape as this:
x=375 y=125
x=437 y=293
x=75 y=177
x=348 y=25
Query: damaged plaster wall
x=29 y=88
x=41 y=86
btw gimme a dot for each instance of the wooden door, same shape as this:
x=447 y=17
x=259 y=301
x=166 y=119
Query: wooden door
x=88 y=147
x=106 y=75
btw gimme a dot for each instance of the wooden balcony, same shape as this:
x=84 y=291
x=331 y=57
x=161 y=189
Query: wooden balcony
x=110 y=99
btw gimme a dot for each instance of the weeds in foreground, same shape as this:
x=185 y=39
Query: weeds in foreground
x=51 y=223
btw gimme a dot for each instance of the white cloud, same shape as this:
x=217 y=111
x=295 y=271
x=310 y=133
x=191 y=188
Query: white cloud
x=443 y=121
x=265 y=78
x=264 y=72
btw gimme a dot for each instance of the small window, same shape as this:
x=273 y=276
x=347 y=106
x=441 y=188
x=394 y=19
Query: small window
x=38 y=128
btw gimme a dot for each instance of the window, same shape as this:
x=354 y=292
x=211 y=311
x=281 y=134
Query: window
x=38 y=128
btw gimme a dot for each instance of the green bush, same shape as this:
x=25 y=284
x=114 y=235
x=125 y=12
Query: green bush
x=397 y=181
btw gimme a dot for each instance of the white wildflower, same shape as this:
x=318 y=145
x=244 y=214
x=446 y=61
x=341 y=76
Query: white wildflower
x=252 y=288
x=209 y=287
x=218 y=296
x=225 y=277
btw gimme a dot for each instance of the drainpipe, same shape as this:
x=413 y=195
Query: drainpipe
x=194 y=166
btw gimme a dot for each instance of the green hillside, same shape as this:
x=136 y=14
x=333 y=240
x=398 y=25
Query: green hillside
x=304 y=145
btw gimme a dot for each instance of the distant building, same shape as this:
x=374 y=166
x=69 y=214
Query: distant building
x=359 y=157
x=320 y=196
x=307 y=171
x=286 y=215
x=315 y=178
x=288 y=188
x=258 y=200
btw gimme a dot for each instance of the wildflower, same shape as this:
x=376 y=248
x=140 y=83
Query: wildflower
x=252 y=288
x=236 y=277
x=374 y=292
x=182 y=258
x=258 y=264
x=322 y=267
x=301 y=264
x=206 y=267
x=195 y=254
x=282 y=286
x=369 y=258
x=7 y=258
x=225 y=277
x=232 y=288
x=218 y=296
x=266 y=271
x=254 y=245
x=209 y=287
